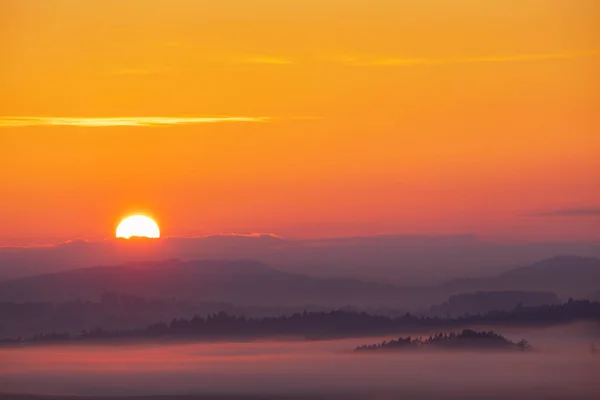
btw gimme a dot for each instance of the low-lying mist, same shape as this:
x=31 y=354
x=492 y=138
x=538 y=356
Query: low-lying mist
x=562 y=366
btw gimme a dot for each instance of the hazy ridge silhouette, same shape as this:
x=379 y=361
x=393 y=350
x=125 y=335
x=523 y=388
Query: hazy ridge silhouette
x=254 y=283
x=398 y=259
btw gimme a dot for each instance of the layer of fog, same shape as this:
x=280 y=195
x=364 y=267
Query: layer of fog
x=561 y=367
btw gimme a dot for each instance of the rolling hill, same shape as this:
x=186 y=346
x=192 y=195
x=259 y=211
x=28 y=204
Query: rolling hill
x=252 y=283
x=564 y=275
x=239 y=282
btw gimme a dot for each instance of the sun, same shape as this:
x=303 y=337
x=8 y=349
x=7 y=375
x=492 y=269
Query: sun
x=138 y=226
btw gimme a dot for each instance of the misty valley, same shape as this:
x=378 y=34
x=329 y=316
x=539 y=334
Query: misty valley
x=242 y=329
x=558 y=366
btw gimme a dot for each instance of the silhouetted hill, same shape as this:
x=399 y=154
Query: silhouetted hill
x=468 y=339
x=239 y=282
x=252 y=283
x=565 y=275
x=396 y=259
x=484 y=302
x=567 y=272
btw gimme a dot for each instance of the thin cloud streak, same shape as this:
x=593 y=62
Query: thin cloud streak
x=398 y=62
x=272 y=60
x=571 y=212
x=6 y=122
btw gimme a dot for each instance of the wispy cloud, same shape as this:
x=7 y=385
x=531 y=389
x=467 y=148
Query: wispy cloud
x=571 y=212
x=122 y=121
x=402 y=61
x=261 y=59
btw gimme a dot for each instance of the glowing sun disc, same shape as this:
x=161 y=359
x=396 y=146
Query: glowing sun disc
x=139 y=226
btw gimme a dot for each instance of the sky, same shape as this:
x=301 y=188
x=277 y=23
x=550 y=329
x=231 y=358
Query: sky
x=313 y=118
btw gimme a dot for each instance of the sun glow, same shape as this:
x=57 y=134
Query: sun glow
x=139 y=226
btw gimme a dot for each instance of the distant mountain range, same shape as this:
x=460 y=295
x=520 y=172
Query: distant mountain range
x=252 y=283
x=563 y=275
x=238 y=282
x=405 y=260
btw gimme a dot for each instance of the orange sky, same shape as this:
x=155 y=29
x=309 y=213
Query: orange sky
x=335 y=117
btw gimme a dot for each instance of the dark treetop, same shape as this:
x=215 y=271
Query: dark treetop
x=315 y=325
x=465 y=340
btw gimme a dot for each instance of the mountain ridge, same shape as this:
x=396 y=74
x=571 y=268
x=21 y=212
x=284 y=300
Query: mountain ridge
x=258 y=284
x=246 y=282
x=399 y=259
